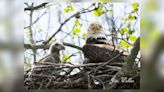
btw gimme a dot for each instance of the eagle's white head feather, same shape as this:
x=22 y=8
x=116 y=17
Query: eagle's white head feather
x=95 y=30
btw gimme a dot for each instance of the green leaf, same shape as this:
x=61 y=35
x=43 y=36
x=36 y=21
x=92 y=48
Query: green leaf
x=125 y=44
x=64 y=57
x=66 y=10
x=131 y=17
x=69 y=8
x=99 y=11
x=77 y=23
x=104 y=12
x=84 y=35
x=72 y=9
x=135 y=5
x=123 y=30
x=133 y=38
x=76 y=31
x=124 y=19
x=96 y=13
x=135 y=10
x=100 y=8
x=130 y=32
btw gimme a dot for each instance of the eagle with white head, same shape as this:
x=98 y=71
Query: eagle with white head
x=96 y=34
x=97 y=47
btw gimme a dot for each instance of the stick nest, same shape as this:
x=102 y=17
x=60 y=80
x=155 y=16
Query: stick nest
x=90 y=76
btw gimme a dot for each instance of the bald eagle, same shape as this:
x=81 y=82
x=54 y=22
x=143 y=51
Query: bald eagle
x=98 y=48
x=54 y=55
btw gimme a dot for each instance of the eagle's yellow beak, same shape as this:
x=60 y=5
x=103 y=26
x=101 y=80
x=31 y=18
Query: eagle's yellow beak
x=95 y=28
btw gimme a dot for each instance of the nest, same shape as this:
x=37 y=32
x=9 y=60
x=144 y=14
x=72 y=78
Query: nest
x=90 y=76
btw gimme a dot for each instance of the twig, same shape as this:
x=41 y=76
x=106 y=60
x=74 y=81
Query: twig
x=46 y=46
x=42 y=46
x=98 y=79
x=119 y=38
x=70 y=56
x=73 y=46
x=71 y=35
x=43 y=76
x=35 y=20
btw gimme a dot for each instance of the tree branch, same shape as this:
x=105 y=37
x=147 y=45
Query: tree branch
x=30 y=8
x=43 y=46
x=73 y=46
x=35 y=20
x=128 y=68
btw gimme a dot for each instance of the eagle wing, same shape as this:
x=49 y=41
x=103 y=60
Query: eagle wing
x=51 y=58
x=103 y=52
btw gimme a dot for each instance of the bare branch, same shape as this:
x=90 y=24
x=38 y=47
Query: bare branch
x=42 y=46
x=73 y=46
x=46 y=46
x=36 y=20
x=30 y=8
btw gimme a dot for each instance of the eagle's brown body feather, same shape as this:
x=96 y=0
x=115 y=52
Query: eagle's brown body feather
x=52 y=58
x=102 y=53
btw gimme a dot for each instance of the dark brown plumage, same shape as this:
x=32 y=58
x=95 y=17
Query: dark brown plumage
x=102 y=53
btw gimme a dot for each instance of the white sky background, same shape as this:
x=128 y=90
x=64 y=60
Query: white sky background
x=52 y=17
